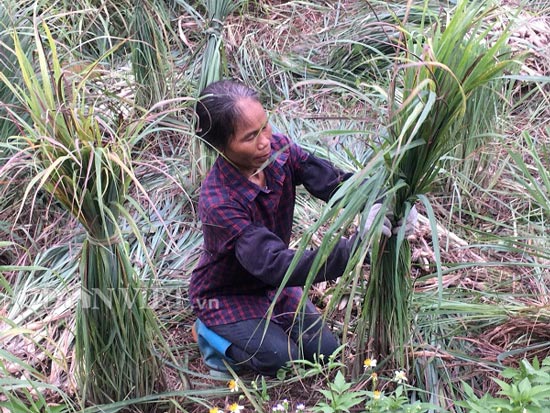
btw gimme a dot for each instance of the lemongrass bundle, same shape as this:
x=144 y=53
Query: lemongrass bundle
x=432 y=84
x=84 y=163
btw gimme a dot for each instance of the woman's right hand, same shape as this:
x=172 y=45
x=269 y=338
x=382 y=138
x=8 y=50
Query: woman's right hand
x=365 y=224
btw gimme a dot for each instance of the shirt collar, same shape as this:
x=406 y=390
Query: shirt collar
x=239 y=183
x=280 y=153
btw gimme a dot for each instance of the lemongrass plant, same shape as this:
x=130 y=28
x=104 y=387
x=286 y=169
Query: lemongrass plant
x=150 y=57
x=92 y=27
x=9 y=19
x=212 y=67
x=211 y=70
x=83 y=161
x=441 y=66
x=469 y=158
x=432 y=85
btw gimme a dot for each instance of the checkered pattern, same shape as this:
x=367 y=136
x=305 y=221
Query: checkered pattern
x=222 y=290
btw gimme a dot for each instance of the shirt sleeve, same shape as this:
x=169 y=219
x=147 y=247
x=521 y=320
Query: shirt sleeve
x=265 y=256
x=320 y=177
x=222 y=226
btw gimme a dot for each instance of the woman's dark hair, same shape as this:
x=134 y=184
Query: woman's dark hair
x=217 y=110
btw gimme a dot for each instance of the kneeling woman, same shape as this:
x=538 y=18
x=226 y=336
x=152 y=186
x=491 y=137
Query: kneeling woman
x=246 y=209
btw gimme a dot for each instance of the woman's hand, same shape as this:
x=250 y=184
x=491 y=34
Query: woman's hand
x=410 y=223
x=366 y=224
x=387 y=229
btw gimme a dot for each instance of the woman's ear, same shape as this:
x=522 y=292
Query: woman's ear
x=222 y=148
x=230 y=138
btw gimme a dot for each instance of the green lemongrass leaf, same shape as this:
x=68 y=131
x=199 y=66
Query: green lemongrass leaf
x=435 y=240
x=27 y=74
x=14 y=384
x=6 y=355
x=15 y=89
x=41 y=179
x=137 y=232
x=129 y=175
x=47 y=86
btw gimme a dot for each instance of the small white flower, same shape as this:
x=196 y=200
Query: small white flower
x=233 y=386
x=235 y=407
x=369 y=363
x=300 y=407
x=400 y=376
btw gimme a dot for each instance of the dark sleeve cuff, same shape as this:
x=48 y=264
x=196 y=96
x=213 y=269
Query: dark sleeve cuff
x=266 y=256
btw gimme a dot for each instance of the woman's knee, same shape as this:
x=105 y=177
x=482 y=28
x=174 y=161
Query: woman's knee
x=269 y=361
x=263 y=350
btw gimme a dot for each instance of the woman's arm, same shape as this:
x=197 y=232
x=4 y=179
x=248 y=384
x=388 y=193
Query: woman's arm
x=266 y=256
x=321 y=178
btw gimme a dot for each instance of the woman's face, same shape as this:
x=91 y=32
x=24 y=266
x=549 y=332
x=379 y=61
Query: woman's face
x=250 y=146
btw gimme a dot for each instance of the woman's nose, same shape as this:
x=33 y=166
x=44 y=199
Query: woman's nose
x=264 y=140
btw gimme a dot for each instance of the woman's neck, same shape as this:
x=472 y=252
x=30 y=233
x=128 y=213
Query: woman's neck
x=258 y=177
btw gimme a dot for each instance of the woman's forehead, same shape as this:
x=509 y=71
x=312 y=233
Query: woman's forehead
x=250 y=110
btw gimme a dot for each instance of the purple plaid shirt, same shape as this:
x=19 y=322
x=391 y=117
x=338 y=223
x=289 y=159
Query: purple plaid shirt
x=247 y=231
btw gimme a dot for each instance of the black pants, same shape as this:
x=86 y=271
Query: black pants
x=266 y=346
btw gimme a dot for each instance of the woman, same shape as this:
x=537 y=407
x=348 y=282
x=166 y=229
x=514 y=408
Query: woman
x=246 y=207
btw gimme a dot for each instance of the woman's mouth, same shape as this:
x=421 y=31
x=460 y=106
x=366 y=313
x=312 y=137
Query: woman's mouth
x=263 y=158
